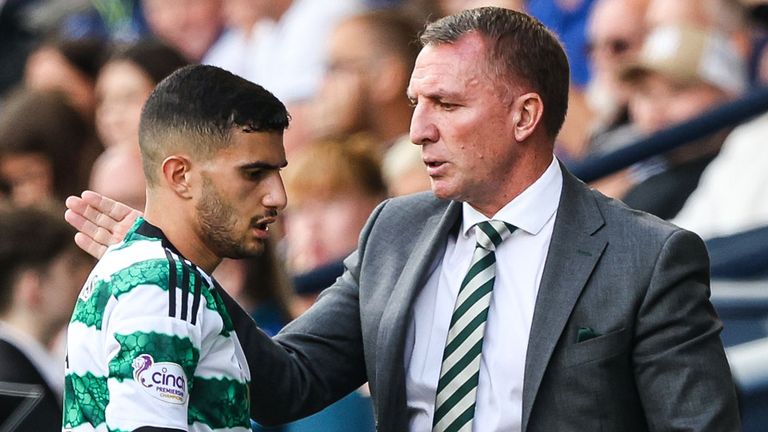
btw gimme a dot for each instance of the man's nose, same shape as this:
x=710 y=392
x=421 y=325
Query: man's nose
x=423 y=129
x=276 y=196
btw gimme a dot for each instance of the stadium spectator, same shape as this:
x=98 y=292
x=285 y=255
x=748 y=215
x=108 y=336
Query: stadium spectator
x=118 y=172
x=123 y=85
x=46 y=148
x=616 y=30
x=289 y=56
x=70 y=66
x=370 y=59
x=730 y=196
x=41 y=272
x=334 y=186
x=234 y=49
x=682 y=71
x=190 y=26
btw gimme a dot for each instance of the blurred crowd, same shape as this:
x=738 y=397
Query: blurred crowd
x=74 y=75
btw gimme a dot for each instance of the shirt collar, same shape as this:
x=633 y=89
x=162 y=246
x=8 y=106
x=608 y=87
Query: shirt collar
x=530 y=210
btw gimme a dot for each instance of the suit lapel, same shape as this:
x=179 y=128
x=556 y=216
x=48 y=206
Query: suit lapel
x=573 y=254
x=390 y=371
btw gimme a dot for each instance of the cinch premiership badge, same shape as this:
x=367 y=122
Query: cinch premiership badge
x=165 y=381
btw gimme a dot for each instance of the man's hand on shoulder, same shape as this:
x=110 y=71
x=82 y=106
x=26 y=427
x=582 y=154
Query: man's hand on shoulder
x=100 y=221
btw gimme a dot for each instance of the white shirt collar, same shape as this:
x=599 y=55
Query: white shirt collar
x=528 y=211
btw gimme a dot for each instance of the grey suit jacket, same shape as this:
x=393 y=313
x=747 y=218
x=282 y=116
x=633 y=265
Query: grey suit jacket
x=642 y=286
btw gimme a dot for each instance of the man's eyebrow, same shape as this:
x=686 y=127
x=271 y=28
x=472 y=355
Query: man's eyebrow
x=263 y=165
x=439 y=95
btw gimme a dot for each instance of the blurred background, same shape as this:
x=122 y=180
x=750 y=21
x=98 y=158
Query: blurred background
x=668 y=112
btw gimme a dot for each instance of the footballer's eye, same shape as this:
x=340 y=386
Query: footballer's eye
x=255 y=175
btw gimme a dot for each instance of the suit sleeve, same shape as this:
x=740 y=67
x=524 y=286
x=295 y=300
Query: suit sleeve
x=682 y=374
x=316 y=359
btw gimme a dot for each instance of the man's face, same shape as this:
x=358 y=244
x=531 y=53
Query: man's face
x=462 y=121
x=322 y=230
x=190 y=26
x=616 y=31
x=121 y=90
x=342 y=106
x=29 y=175
x=241 y=193
x=48 y=69
x=658 y=102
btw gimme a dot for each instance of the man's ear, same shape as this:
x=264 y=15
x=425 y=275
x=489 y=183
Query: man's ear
x=526 y=111
x=28 y=288
x=177 y=170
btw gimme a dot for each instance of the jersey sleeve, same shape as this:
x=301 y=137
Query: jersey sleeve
x=152 y=353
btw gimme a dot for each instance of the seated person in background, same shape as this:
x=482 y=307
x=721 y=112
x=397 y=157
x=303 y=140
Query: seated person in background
x=370 y=59
x=730 y=197
x=334 y=186
x=123 y=85
x=43 y=143
x=615 y=32
x=69 y=66
x=41 y=271
x=193 y=27
x=682 y=71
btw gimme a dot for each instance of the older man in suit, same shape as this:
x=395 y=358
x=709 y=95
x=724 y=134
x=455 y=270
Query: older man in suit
x=576 y=314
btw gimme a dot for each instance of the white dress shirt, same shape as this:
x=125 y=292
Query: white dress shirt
x=520 y=263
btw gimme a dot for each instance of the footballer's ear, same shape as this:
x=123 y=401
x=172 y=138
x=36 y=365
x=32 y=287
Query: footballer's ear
x=177 y=174
x=526 y=111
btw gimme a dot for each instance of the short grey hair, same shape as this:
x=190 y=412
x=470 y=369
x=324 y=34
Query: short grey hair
x=521 y=49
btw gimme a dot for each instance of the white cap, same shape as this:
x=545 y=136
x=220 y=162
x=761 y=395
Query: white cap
x=685 y=54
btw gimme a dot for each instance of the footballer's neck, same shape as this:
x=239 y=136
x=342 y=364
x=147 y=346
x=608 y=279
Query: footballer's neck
x=178 y=221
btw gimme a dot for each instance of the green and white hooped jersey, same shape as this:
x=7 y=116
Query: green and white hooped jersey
x=150 y=343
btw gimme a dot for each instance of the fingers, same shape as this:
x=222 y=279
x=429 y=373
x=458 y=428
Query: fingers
x=91 y=247
x=112 y=216
x=87 y=230
x=93 y=230
x=101 y=221
x=116 y=211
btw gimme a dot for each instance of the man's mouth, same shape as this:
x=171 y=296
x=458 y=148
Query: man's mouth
x=263 y=224
x=434 y=167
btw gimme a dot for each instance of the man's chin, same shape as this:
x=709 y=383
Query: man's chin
x=256 y=249
x=441 y=191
